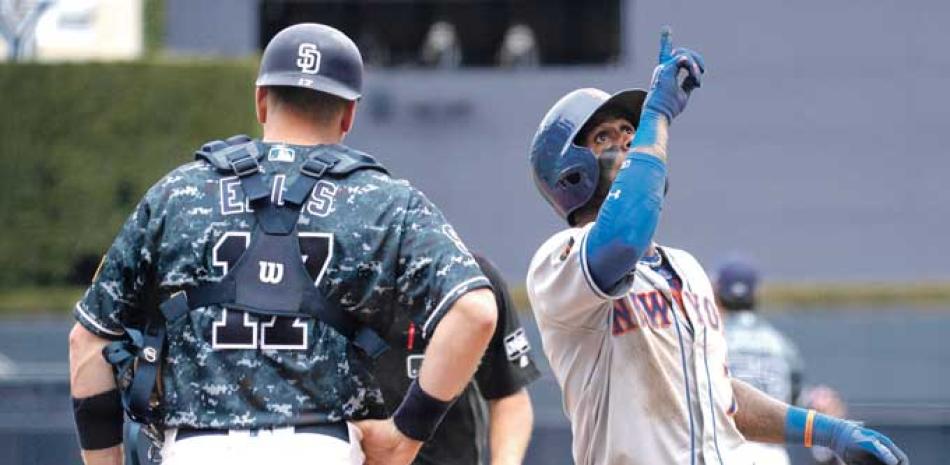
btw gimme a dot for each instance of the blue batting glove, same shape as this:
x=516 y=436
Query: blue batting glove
x=679 y=72
x=856 y=445
x=852 y=443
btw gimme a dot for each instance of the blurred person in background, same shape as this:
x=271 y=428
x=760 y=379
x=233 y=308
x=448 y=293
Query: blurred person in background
x=519 y=48
x=441 y=48
x=374 y=49
x=762 y=356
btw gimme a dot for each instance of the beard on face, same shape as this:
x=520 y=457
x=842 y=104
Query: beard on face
x=606 y=162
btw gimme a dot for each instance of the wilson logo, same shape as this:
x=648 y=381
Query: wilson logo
x=271 y=273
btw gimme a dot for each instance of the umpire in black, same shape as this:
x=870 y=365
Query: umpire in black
x=496 y=392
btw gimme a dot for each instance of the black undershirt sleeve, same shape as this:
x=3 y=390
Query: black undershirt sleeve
x=507 y=365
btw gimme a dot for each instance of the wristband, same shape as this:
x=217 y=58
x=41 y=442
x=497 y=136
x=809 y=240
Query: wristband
x=809 y=428
x=99 y=420
x=420 y=414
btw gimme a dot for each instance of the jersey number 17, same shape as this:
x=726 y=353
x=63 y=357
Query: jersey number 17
x=241 y=330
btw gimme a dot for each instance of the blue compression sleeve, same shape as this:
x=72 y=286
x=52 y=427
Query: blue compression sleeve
x=629 y=216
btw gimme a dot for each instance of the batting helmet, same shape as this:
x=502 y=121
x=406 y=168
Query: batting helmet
x=313 y=56
x=566 y=173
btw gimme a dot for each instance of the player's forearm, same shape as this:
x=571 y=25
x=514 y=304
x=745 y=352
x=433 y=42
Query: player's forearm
x=627 y=220
x=763 y=419
x=451 y=357
x=653 y=134
x=90 y=378
x=510 y=423
x=760 y=417
x=457 y=345
x=89 y=373
x=110 y=456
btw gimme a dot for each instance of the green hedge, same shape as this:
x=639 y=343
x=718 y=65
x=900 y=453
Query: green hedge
x=81 y=143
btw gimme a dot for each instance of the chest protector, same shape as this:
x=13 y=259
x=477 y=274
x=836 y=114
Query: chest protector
x=269 y=279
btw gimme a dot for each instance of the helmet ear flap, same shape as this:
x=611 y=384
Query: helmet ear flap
x=570 y=178
x=577 y=179
x=568 y=174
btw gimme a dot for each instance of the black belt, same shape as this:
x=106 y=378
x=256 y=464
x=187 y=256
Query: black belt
x=336 y=430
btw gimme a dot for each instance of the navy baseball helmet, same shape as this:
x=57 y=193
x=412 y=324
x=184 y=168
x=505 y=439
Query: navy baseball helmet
x=736 y=283
x=567 y=173
x=313 y=56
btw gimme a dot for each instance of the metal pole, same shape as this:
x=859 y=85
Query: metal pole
x=20 y=35
x=7 y=30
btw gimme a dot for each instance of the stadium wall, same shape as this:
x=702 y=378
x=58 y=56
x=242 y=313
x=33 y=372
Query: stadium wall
x=815 y=147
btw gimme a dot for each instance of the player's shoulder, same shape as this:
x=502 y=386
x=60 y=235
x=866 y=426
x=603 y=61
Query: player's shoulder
x=362 y=181
x=497 y=281
x=753 y=320
x=560 y=244
x=488 y=268
x=765 y=326
x=680 y=255
x=684 y=259
x=748 y=329
x=373 y=177
x=186 y=180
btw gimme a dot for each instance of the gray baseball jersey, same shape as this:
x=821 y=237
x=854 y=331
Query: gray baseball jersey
x=761 y=356
x=643 y=372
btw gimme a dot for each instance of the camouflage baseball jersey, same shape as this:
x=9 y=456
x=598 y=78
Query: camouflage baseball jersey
x=372 y=243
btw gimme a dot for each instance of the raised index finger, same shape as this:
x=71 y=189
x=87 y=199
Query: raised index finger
x=666 y=44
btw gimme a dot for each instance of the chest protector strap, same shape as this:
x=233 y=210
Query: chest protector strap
x=269 y=279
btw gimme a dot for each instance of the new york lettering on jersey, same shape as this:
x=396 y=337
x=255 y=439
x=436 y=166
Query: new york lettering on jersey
x=652 y=308
x=656 y=348
x=226 y=368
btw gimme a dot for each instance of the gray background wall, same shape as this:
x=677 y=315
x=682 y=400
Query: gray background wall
x=815 y=146
x=211 y=27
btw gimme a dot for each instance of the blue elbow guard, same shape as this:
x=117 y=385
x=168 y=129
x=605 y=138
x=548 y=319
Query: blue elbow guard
x=626 y=222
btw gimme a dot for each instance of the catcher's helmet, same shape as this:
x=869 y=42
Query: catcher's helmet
x=313 y=56
x=567 y=173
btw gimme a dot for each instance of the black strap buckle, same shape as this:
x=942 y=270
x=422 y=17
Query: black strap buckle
x=175 y=306
x=244 y=164
x=370 y=342
x=315 y=168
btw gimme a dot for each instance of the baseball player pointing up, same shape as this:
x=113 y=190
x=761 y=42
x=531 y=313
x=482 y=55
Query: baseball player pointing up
x=631 y=328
